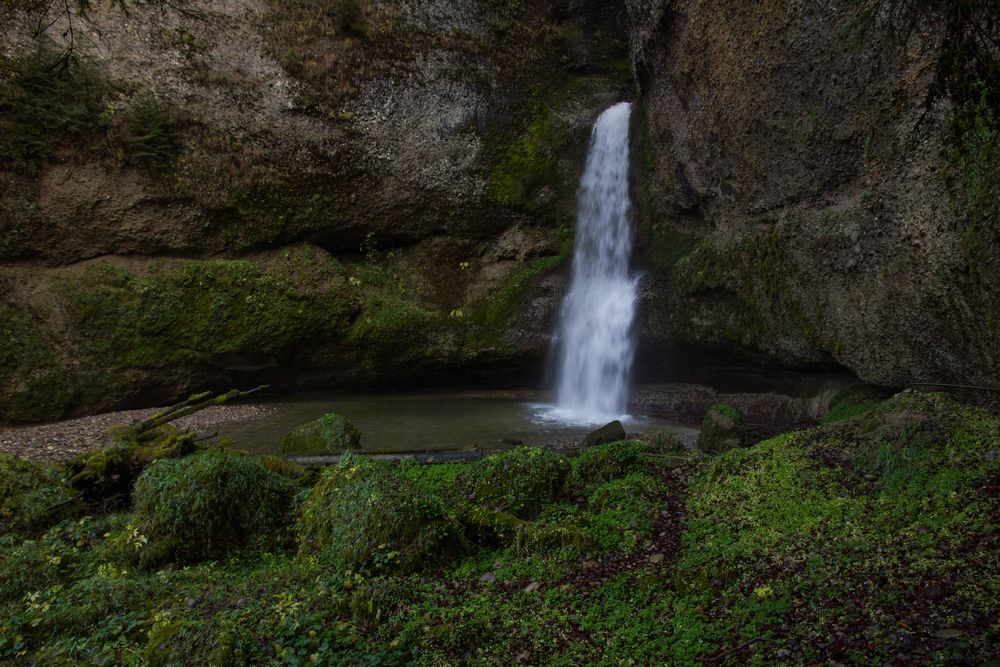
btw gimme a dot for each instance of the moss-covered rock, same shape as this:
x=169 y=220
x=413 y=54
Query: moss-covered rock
x=518 y=482
x=33 y=496
x=610 y=461
x=610 y=432
x=721 y=429
x=330 y=434
x=365 y=514
x=203 y=506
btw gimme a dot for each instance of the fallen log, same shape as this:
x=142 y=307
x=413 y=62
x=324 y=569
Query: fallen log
x=109 y=472
x=424 y=458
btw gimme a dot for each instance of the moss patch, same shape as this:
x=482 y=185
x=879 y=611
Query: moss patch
x=33 y=496
x=34 y=382
x=872 y=534
x=491 y=315
x=518 y=482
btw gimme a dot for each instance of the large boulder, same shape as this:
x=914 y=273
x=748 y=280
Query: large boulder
x=330 y=434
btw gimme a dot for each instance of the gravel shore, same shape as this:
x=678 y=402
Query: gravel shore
x=61 y=441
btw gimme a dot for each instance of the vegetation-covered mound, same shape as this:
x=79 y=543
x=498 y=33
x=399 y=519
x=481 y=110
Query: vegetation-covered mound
x=203 y=506
x=363 y=514
x=518 y=482
x=33 y=496
x=871 y=540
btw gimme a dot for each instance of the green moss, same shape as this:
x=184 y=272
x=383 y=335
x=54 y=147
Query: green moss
x=852 y=402
x=518 y=482
x=385 y=324
x=33 y=496
x=843 y=527
x=364 y=514
x=330 y=434
x=611 y=461
x=622 y=511
x=34 y=382
x=974 y=156
x=722 y=429
x=183 y=310
x=871 y=540
x=204 y=506
x=108 y=473
x=491 y=315
x=525 y=166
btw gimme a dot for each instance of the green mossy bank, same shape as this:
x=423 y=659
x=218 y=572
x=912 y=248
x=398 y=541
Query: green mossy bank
x=865 y=541
x=115 y=332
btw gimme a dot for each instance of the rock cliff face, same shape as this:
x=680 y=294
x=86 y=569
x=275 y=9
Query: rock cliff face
x=806 y=202
x=352 y=193
x=314 y=194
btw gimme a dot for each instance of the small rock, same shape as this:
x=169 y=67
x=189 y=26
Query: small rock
x=488 y=578
x=521 y=658
x=190 y=602
x=532 y=587
x=949 y=633
x=782 y=653
x=241 y=603
x=656 y=558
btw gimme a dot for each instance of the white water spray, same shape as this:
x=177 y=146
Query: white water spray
x=593 y=344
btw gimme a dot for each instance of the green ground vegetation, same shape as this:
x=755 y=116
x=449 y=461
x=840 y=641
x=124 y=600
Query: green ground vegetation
x=858 y=542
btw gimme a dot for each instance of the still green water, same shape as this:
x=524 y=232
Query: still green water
x=422 y=422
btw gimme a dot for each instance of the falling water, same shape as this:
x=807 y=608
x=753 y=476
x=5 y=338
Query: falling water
x=594 y=348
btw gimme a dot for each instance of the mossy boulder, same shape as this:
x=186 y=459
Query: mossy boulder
x=33 y=496
x=365 y=514
x=330 y=434
x=722 y=429
x=610 y=461
x=610 y=432
x=518 y=482
x=202 y=506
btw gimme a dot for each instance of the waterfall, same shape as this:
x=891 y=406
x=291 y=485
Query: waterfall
x=593 y=346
